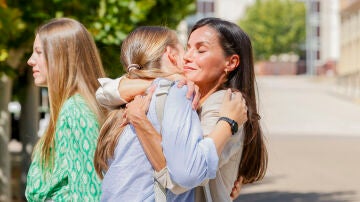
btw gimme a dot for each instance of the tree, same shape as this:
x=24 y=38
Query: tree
x=109 y=21
x=275 y=27
x=10 y=27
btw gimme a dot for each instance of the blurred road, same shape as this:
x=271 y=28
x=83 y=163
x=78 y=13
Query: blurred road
x=313 y=139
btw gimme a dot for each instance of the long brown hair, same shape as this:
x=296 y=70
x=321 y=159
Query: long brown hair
x=143 y=47
x=234 y=40
x=73 y=65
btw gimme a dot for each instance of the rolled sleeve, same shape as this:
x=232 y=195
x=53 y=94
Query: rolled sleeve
x=107 y=94
x=163 y=177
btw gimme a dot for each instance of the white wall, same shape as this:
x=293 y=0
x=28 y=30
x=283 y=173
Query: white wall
x=231 y=10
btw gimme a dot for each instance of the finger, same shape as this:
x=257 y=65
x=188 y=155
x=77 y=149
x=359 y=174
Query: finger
x=196 y=98
x=227 y=96
x=181 y=83
x=124 y=114
x=237 y=185
x=241 y=179
x=237 y=96
x=191 y=89
x=124 y=123
x=233 y=193
x=151 y=90
x=137 y=97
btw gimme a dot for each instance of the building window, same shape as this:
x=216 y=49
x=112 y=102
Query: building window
x=205 y=7
x=315 y=6
x=318 y=6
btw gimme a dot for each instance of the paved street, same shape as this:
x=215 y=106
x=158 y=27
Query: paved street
x=313 y=137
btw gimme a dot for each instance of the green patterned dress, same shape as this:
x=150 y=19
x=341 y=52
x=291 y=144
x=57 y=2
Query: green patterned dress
x=73 y=177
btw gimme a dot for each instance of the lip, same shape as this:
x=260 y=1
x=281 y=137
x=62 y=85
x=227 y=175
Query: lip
x=35 y=72
x=188 y=68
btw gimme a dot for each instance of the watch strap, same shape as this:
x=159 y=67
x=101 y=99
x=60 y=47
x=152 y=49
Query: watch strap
x=233 y=124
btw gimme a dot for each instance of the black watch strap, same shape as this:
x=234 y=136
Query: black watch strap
x=233 y=124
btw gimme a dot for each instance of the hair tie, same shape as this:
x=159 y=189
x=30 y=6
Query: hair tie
x=133 y=66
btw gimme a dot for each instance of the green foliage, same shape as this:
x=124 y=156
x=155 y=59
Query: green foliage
x=275 y=27
x=108 y=20
x=11 y=26
x=116 y=18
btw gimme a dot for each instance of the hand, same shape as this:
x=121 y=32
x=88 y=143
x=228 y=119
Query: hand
x=193 y=89
x=236 y=188
x=137 y=109
x=234 y=107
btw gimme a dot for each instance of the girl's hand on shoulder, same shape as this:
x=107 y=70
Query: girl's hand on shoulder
x=234 y=107
x=193 y=90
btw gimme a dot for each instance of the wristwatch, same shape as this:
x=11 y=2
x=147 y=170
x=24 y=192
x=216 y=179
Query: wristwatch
x=233 y=124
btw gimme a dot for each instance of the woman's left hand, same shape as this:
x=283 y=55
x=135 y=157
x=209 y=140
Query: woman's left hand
x=136 y=110
x=234 y=107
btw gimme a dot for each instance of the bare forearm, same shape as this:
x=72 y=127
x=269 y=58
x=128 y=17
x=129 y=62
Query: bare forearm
x=129 y=88
x=151 y=142
x=221 y=134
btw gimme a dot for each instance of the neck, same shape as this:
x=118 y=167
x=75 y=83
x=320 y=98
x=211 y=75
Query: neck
x=207 y=90
x=205 y=95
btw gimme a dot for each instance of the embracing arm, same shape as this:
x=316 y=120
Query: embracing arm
x=115 y=92
x=190 y=158
x=233 y=107
x=149 y=138
x=221 y=131
x=129 y=88
x=146 y=138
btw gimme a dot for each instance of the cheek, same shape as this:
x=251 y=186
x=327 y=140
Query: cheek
x=42 y=65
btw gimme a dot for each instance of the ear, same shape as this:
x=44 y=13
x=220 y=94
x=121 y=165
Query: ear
x=171 y=54
x=232 y=62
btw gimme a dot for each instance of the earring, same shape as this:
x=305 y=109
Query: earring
x=226 y=71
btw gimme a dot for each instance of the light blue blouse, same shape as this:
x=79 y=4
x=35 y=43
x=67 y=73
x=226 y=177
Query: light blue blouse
x=190 y=158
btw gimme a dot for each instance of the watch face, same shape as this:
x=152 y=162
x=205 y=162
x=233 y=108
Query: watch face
x=234 y=127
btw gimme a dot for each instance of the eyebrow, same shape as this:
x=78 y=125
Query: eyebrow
x=200 y=43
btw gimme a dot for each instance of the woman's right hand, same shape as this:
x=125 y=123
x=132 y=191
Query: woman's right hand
x=193 y=90
x=234 y=107
x=235 y=192
x=136 y=110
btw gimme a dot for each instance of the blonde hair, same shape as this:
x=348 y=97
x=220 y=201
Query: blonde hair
x=73 y=65
x=143 y=48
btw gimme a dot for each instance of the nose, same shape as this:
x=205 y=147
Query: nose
x=188 y=55
x=31 y=61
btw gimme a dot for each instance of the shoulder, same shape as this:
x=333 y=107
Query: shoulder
x=214 y=100
x=75 y=109
x=75 y=104
x=166 y=86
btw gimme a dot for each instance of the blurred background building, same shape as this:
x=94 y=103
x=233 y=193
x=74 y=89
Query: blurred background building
x=349 y=68
x=322 y=39
x=231 y=10
x=322 y=34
